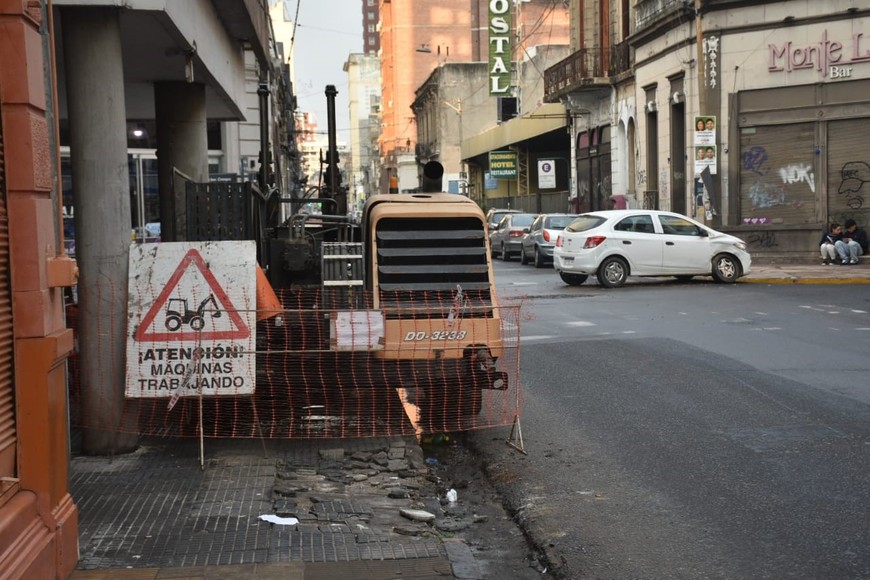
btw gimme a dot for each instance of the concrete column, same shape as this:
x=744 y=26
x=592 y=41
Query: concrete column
x=182 y=144
x=98 y=152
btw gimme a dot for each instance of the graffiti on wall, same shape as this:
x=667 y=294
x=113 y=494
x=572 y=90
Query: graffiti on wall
x=852 y=179
x=798 y=173
x=764 y=194
x=764 y=240
x=664 y=183
x=754 y=159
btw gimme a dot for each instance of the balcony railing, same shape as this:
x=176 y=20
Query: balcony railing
x=588 y=67
x=647 y=12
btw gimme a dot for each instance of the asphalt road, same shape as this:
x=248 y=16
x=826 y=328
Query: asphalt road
x=691 y=430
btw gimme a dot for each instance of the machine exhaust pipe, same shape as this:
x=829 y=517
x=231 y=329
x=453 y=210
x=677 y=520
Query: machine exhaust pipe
x=432 y=174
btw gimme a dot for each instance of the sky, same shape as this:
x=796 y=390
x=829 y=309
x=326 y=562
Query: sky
x=327 y=32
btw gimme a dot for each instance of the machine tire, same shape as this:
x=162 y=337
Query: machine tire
x=726 y=269
x=613 y=272
x=197 y=322
x=573 y=279
x=172 y=323
x=539 y=258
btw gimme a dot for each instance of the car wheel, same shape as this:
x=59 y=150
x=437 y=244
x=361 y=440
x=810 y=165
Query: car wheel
x=539 y=259
x=684 y=278
x=504 y=254
x=573 y=279
x=523 y=258
x=726 y=269
x=612 y=272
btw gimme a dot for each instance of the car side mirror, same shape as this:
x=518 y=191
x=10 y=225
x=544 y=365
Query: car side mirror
x=704 y=233
x=525 y=230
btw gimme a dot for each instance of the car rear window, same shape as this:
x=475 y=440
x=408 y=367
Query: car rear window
x=524 y=219
x=558 y=222
x=584 y=223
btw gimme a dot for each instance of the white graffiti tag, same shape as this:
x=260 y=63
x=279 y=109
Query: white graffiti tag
x=798 y=174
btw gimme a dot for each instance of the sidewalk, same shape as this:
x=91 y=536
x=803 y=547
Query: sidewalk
x=764 y=272
x=156 y=513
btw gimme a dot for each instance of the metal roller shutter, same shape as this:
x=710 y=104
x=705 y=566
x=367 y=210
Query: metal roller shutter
x=778 y=169
x=849 y=171
x=7 y=400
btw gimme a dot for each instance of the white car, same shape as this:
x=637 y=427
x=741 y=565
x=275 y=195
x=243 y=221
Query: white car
x=616 y=244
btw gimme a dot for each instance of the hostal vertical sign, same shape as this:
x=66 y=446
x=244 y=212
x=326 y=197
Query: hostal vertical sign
x=499 y=47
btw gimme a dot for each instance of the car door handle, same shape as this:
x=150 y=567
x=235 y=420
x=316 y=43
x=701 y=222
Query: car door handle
x=626 y=242
x=669 y=243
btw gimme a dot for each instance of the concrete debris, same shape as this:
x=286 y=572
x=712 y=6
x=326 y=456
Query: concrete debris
x=417 y=515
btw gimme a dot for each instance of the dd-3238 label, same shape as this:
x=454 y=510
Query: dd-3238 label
x=436 y=335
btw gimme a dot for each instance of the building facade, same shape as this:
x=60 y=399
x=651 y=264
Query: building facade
x=786 y=86
x=416 y=36
x=595 y=83
x=38 y=517
x=364 y=90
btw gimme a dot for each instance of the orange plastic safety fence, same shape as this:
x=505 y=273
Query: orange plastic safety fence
x=328 y=366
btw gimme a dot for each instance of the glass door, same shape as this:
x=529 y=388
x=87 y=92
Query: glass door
x=144 y=197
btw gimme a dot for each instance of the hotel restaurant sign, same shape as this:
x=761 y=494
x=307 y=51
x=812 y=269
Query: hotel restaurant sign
x=830 y=57
x=500 y=47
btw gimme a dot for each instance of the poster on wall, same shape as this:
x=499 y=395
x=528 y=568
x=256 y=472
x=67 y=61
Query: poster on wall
x=705 y=156
x=705 y=130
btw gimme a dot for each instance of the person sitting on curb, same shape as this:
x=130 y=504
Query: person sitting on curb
x=852 y=243
x=827 y=245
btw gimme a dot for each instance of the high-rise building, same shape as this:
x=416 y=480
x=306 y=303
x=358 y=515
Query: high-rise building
x=370 y=19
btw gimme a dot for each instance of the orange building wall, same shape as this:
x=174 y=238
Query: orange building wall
x=406 y=27
x=38 y=518
x=460 y=29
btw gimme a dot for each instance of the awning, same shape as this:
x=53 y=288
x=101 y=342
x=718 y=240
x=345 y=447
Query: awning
x=544 y=119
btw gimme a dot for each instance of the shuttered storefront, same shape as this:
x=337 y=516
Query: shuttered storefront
x=778 y=174
x=849 y=171
x=7 y=401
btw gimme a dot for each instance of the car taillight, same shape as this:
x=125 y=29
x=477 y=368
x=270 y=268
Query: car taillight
x=593 y=242
x=516 y=233
x=559 y=242
x=546 y=236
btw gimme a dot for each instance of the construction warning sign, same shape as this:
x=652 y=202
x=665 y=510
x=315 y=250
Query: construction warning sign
x=192 y=317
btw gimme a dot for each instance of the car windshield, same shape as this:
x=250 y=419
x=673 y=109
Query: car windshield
x=584 y=223
x=558 y=222
x=524 y=219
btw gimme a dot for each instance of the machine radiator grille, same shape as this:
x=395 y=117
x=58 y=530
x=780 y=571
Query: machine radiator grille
x=425 y=261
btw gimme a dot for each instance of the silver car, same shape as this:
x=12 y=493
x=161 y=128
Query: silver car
x=507 y=238
x=538 y=243
x=494 y=215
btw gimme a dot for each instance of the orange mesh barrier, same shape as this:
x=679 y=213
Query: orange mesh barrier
x=328 y=366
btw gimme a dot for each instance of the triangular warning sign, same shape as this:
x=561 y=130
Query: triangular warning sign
x=181 y=326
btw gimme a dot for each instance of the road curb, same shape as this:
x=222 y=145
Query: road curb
x=804 y=281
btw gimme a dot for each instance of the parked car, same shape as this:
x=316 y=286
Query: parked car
x=493 y=216
x=537 y=245
x=614 y=245
x=507 y=238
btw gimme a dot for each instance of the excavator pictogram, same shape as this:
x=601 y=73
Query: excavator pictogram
x=177 y=313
